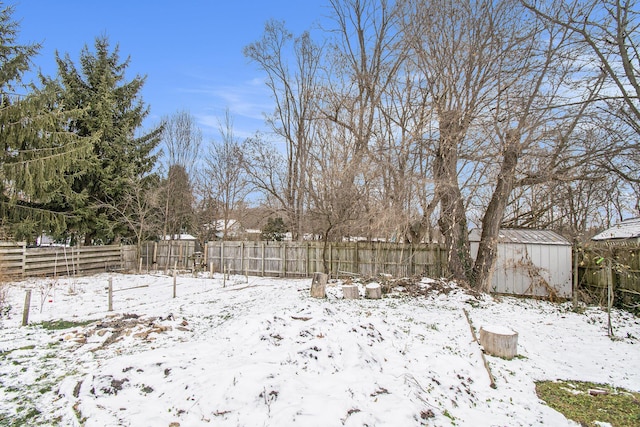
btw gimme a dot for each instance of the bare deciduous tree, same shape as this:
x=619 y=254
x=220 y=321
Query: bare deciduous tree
x=365 y=56
x=498 y=79
x=609 y=29
x=139 y=210
x=182 y=139
x=224 y=169
x=294 y=86
x=178 y=202
x=478 y=112
x=400 y=155
x=338 y=204
x=459 y=49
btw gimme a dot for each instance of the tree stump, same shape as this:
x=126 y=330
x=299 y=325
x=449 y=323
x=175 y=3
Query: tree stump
x=499 y=341
x=319 y=285
x=350 y=292
x=373 y=291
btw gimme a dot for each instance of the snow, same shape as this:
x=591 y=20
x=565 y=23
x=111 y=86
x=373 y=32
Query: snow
x=260 y=352
x=498 y=329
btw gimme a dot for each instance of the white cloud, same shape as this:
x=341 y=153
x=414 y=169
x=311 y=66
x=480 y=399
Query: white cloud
x=247 y=102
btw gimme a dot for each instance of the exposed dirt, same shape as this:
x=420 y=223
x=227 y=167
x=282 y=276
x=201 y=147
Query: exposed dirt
x=115 y=328
x=417 y=286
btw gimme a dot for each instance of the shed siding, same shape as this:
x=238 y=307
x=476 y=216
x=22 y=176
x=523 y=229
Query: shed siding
x=532 y=268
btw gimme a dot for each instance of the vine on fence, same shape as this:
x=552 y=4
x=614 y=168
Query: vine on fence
x=609 y=276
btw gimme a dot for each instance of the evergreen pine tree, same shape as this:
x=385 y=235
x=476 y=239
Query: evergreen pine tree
x=178 y=200
x=120 y=159
x=275 y=229
x=36 y=150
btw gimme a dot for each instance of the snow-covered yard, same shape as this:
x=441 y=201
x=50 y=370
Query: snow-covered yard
x=261 y=352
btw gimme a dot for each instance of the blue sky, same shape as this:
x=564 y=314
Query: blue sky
x=190 y=51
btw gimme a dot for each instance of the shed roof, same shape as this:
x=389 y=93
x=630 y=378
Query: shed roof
x=627 y=229
x=525 y=235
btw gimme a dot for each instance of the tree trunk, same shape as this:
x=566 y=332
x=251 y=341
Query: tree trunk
x=318 y=285
x=488 y=247
x=453 y=220
x=325 y=246
x=350 y=292
x=373 y=291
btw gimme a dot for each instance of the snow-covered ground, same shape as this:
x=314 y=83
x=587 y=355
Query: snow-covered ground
x=261 y=352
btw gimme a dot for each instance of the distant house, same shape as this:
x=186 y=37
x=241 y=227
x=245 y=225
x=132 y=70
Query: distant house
x=231 y=228
x=530 y=262
x=45 y=240
x=253 y=234
x=184 y=237
x=627 y=231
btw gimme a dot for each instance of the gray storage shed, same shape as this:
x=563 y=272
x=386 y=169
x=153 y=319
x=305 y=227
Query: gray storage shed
x=530 y=262
x=625 y=231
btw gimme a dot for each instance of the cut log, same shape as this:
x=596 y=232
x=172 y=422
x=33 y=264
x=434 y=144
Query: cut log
x=319 y=285
x=499 y=341
x=373 y=291
x=350 y=292
x=597 y=392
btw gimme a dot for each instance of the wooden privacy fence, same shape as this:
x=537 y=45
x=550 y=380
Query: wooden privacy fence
x=169 y=254
x=298 y=259
x=617 y=264
x=17 y=260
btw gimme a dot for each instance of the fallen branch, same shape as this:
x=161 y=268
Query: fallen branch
x=492 y=383
x=239 y=288
x=133 y=287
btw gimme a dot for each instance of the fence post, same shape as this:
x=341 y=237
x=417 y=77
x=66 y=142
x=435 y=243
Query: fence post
x=110 y=294
x=222 y=255
x=609 y=273
x=168 y=263
x=263 y=251
x=188 y=252
x=330 y=260
x=27 y=305
x=412 y=260
x=575 y=277
x=174 y=281
x=306 y=260
x=24 y=259
x=283 y=257
x=206 y=254
x=154 y=260
x=241 y=257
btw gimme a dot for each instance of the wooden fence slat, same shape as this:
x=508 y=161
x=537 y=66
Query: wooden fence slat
x=289 y=259
x=300 y=259
x=592 y=276
x=16 y=260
